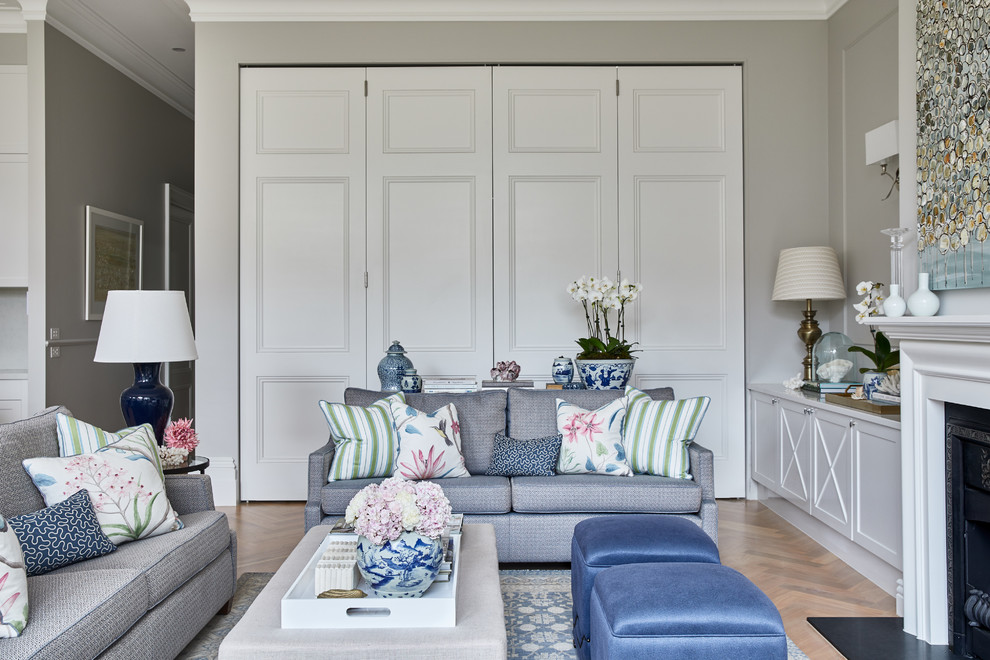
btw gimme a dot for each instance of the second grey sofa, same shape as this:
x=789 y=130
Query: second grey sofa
x=534 y=517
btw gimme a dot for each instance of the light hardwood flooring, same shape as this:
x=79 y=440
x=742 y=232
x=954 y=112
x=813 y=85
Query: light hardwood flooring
x=802 y=578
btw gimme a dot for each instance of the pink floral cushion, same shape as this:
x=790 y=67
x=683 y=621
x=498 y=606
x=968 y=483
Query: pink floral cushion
x=124 y=480
x=429 y=443
x=592 y=440
x=13 y=583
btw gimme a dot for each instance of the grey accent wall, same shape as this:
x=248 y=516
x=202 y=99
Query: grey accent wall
x=13 y=48
x=785 y=77
x=862 y=58
x=111 y=144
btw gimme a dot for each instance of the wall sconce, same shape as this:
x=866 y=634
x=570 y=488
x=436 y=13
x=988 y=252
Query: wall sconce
x=881 y=144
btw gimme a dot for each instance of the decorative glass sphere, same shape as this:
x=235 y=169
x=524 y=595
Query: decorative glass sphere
x=833 y=362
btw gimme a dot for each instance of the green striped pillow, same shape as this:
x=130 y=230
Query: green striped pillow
x=365 y=439
x=656 y=433
x=77 y=437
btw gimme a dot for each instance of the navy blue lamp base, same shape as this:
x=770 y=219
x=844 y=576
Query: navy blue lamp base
x=148 y=400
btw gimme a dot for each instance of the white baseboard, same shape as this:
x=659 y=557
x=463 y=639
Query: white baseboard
x=223 y=474
x=856 y=557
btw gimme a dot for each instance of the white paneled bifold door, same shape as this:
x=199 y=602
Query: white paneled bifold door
x=449 y=208
x=302 y=255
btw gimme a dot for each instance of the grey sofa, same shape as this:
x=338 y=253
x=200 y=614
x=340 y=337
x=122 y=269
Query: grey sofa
x=148 y=598
x=534 y=517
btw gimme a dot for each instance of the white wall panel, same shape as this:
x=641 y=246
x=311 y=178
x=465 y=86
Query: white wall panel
x=302 y=255
x=694 y=120
x=451 y=127
x=555 y=120
x=303 y=122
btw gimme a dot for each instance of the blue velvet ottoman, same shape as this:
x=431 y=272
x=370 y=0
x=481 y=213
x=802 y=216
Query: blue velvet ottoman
x=698 y=611
x=603 y=542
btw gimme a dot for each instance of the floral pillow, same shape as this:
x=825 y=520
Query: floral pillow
x=429 y=443
x=124 y=480
x=13 y=583
x=592 y=440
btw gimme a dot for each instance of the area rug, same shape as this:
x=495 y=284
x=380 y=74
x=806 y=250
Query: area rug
x=537 y=616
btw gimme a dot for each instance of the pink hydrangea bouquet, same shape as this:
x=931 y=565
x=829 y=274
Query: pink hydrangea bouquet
x=381 y=512
x=181 y=435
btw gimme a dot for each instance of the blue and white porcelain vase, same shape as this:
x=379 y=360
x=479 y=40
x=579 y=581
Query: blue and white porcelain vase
x=403 y=568
x=563 y=370
x=605 y=374
x=392 y=367
x=412 y=382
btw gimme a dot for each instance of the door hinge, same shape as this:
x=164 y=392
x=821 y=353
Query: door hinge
x=365 y=87
x=616 y=86
x=365 y=280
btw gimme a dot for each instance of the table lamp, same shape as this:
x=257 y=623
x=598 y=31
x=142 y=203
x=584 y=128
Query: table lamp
x=805 y=273
x=146 y=328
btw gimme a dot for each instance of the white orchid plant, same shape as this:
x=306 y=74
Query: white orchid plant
x=601 y=297
x=872 y=305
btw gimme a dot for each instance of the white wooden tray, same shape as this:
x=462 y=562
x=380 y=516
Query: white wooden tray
x=437 y=608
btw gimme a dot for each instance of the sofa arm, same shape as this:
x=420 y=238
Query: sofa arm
x=189 y=493
x=703 y=469
x=319 y=469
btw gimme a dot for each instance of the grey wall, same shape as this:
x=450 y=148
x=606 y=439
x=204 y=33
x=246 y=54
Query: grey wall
x=110 y=144
x=785 y=78
x=862 y=86
x=13 y=48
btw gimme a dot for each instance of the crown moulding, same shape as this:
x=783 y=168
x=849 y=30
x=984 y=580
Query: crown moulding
x=509 y=10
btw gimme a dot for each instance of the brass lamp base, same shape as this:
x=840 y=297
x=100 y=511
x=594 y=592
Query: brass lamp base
x=809 y=332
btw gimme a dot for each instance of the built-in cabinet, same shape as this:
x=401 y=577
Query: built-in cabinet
x=449 y=207
x=13 y=176
x=835 y=465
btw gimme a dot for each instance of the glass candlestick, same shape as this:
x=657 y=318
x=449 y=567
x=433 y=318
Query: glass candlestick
x=896 y=247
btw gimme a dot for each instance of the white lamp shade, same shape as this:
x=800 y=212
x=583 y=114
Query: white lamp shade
x=145 y=326
x=881 y=143
x=808 y=272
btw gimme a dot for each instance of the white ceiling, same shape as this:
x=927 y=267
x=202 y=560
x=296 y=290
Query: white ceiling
x=152 y=41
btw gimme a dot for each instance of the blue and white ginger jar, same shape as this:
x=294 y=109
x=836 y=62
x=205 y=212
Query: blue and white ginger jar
x=392 y=367
x=403 y=568
x=563 y=370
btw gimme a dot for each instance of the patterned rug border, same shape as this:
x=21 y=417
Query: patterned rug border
x=540 y=629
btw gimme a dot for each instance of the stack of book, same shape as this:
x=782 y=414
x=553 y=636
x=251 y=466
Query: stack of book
x=449 y=384
x=505 y=384
x=883 y=397
x=447 y=565
x=825 y=387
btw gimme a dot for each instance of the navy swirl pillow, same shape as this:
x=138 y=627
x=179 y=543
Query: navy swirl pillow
x=60 y=535
x=524 y=458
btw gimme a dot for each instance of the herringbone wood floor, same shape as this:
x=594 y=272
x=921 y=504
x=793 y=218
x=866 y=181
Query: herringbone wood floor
x=802 y=578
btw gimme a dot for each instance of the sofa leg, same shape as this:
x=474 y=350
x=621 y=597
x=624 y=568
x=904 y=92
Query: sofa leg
x=226 y=607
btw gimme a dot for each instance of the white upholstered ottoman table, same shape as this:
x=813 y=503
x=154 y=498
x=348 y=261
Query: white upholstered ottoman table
x=478 y=635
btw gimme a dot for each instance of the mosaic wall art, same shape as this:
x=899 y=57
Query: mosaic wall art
x=954 y=142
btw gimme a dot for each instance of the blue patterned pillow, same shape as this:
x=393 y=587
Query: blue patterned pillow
x=524 y=458
x=60 y=535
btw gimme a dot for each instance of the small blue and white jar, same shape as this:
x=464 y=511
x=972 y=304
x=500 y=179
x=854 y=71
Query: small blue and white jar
x=412 y=382
x=563 y=370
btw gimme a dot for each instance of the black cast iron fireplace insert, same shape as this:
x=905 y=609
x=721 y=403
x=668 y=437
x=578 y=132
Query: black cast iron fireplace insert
x=967 y=452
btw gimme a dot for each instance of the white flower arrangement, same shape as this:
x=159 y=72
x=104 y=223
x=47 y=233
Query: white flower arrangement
x=600 y=296
x=872 y=302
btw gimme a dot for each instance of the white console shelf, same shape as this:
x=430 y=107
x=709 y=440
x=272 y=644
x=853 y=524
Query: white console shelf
x=833 y=472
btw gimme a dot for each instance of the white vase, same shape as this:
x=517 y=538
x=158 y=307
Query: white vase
x=894 y=305
x=923 y=302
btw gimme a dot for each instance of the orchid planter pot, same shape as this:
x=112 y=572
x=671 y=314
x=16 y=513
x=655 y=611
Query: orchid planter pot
x=605 y=374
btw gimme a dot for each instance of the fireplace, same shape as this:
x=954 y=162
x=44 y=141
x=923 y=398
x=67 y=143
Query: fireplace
x=967 y=450
x=944 y=360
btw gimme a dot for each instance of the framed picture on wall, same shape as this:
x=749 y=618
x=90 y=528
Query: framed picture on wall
x=114 y=252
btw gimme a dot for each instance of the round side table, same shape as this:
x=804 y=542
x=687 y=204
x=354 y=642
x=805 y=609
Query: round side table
x=198 y=464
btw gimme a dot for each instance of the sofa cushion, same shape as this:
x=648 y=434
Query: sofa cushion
x=533 y=413
x=482 y=415
x=364 y=437
x=657 y=433
x=78 y=437
x=27 y=438
x=595 y=493
x=592 y=439
x=429 y=443
x=168 y=561
x=64 y=533
x=474 y=494
x=13 y=583
x=78 y=615
x=524 y=458
x=124 y=480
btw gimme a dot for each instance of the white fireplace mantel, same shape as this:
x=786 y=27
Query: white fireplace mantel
x=943 y=359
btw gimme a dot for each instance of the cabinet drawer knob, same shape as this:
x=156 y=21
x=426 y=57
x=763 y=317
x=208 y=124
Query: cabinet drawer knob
x=774 y=401
x=809 y=411
x=852 y=423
